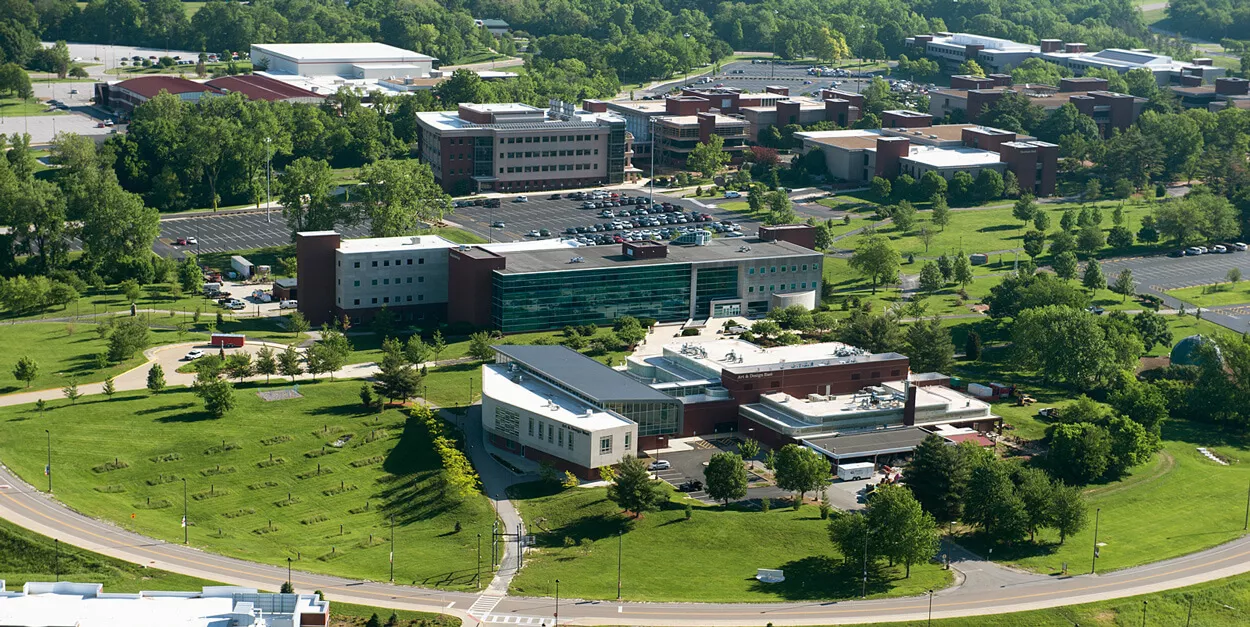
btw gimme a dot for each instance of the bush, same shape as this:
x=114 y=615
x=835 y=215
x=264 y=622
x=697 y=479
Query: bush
x=689 y=332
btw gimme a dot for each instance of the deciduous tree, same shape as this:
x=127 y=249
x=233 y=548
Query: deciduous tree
x=725 y=477
x=633 y=489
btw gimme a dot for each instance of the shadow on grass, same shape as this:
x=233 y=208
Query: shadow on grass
x=163 y=408
x=980 y=545
x=1203 y=434
x=823 y=577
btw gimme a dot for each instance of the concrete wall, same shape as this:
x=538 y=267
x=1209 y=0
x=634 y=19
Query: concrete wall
x=392 y=278
x=586 y=445
x=315 y=258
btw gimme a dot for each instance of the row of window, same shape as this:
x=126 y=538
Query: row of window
x=563 y=167
x=549 y=153
x=766 y=269
x=803 y=285
x=387 y=299
x=356 y=283
x=386 y=263
x=552 y=433
x=545 y=139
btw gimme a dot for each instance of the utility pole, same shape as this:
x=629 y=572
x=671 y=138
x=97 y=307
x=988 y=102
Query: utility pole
x=1243 y=528
x=288 y=575
x=392 y=557
x=48 y=469
x=864 y=591
x=556 y=616
x=268 y=173
x=478 y=579
x=185 y=530
x=57 y=559
x=654 y=145
x=1094 y=562
x=620 y=545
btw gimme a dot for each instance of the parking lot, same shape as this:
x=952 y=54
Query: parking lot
x=755 y=76
x=1157 y=274
x=224 y=232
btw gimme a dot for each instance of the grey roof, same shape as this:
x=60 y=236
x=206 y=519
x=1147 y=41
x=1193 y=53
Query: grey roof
x=609 y=256
x=291 y=282
x=880 y=442
x=581 y=373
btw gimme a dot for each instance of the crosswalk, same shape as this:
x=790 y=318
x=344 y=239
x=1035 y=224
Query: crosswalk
x=512 y=619
x=485 y=604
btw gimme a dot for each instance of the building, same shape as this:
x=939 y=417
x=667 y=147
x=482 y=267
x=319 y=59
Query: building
x=263 y=87
x=1000 y=55
x=1110 y=110
x=676 y=136
x=68 y=603
x=535 y=290
x=517 y=147
x=1226 y=92
x=496 y=27
x=551 y=403
x=344 y=60
x=859 y=155
x=124 y=96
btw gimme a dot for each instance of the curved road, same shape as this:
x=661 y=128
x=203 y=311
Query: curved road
x=982 y=588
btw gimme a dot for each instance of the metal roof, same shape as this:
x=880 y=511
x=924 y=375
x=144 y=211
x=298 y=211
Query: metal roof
x=581 y=373
x=880 y=442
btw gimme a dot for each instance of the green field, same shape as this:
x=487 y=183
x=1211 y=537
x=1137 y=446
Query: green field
x=333 y=522
x=713 y=557
x=1214 y=295
x=63 y=357
x=15 y=107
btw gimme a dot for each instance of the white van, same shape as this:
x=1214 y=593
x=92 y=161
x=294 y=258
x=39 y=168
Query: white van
x=288 y=304
x=211 y=288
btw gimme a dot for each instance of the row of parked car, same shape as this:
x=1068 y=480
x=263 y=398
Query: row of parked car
x=1218 y=249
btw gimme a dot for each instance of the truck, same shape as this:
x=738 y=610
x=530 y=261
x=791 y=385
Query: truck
x=211 y=289
x=852 y=472
x=242 y=266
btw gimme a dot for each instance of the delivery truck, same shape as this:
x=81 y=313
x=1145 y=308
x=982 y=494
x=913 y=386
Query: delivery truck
x=852 y=472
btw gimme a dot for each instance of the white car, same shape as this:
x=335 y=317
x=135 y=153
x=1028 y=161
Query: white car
x=1239 y=246
x=288 y=304
x=521 y=199
x=660 y=465
x=732 y=194
x=1219 y=248
x=191 y=241
x=193 y=355
x=532 y=233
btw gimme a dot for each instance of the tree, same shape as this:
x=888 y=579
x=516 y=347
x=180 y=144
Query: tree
x=749 y=449
x=1067 y=221
x=218 y=396
x=991 y=503
x=479 y=346
x=396 y=378
x=629 y=330
x=298 y=323
x=904 y=216
x=962 y=269
x=1036 y=492
x=1131 y=444
x=1153 y=329
x=971 y=68
x=1069 y=513
x=931 y=185
x=239 y=365
x=1065 y=265
x=780 y=209
x=368 y=398
x=801 y=470
x=437 y=344
x=1041 y=220
x=1079 y=453
x=398 y=196
x=129 y=336
x=25 y=370
x=109 y=387
x=1072 y=345
x=926 y=236
x=1120 y=237
x=415 y=350
x=190 y=276
x=872 y=332
x=824 y=237
x=876 y=259
x=1034 y=243
x=972 y=346
x=906 y=533
x=130 y=290
x=633 y=489
x=880 y=187
x=1148 y=233
x=266 y=364
x=1024 y=209
x=988 y=185
x=1124 y=284
x=726 y=477
x=289 y=363
x=156 y=379
x=930 y=278
x=708 y=158
x=71 y=391
x=1233 y=276
x=938 y=476
x=1093 y=279
x=1093 y=191
x=306 y=192
x=929 y=346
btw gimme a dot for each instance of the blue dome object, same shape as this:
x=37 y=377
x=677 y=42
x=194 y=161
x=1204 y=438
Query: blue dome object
x=1185 y=353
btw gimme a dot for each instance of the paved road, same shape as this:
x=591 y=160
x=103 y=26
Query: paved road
x=1156 y=274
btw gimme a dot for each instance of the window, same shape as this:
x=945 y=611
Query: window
x=410 y=280
x=355 y=283
x=386 y=281
x=386 y=263
x=410 y=263
x=560 y=439
x=356 y=264
x=420 y=260
x=531 y=425
x=773 y=269
x=551 y=434
x=794 y=268
x=783 y=268
x=855 y=376
x=750 y=270
x=805 y=267
x=420 y=279
x=605 y=445
x=409 y=298
x=627 y=438
x=570 y=440
x=751 y=290
x=375 y=264
x=375 y=301
x=374 y=282
x=540 y=430
x=386 y=299
x=356 y=301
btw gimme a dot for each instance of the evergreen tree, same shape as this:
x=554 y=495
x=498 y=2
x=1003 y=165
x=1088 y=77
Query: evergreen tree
x=633 y=489
x=156 y=379
x=1093 y=279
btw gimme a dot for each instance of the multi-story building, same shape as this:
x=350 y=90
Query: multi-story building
x=969 y=95
x=1000 y=55
x=858 y=155
x=534 y=290
x=1226 y=92
x=124 y=96
x=517 y=147
x=675 y=136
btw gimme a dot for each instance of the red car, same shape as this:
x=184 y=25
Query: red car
x=181 y=241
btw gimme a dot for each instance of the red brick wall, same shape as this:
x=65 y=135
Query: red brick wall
x=315 y=265
x=471 y=287
x=978 y=98
x=800 y=382
x=787 y=113
x=1023 y=161
x=890 y=119
x=702 y=418
x=801 y=234
x=889 y=151
x=837 y=110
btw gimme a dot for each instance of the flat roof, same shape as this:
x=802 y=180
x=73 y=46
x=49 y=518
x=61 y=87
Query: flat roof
x=598 y=257
x=741 y=356
x=450 y=120
x=879 y=442
x=363 y=52
x=538 y=397
x=391 y=244
x=685 y=120
x=581 y=373
x=87 y=605
x=952 y=157
x=150 y=86
x=639 y=106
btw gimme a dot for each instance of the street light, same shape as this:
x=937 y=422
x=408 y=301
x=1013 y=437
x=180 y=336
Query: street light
x=658 y=446
x=392 y=557
x=268 y=173
x=1094 y=562
x=48 y=469
x=288 y=575
x=185 y=531
x=620 y=545
x=478 y=579
x=930 y=608
x=556 y=622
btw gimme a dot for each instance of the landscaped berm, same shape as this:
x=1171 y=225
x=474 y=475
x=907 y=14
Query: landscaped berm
x=712 y=557
x=316 y=479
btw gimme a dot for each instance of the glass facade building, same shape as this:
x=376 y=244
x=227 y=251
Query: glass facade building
x=551 y=300
x=714 y=284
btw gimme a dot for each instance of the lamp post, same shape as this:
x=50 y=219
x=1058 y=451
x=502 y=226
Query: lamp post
x=651 y=182
x=268 y=173
x=1094 y=562
x=556 y=616
x=1143 y=613
x=48 y=469
x=930 y=608
x=288 y=575
x=1244 y=527
x=392 y=556
x=57 y=560
x=863 y=593
x=185 y=531
x=620 y=545
x=478 y=579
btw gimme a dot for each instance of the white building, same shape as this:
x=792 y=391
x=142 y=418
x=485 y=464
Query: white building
x=40 y=604
x=391 y=272
x=345 y=60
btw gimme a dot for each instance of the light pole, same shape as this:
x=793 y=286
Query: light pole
x=478 y=579
x=556 y=622
x=863 y=593
x=392 y=557
x=185 y=531
x=658 y=447
x=1243 y=528
x=268 y=173
x=288 y=575
x=48 y=469
x=930 y=608
x=620 y=545
x=1094 y=562
x=1143 y=613
x=651 y=183
x=57 y=560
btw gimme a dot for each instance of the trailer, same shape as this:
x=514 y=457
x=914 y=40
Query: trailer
x=242 y=266
x=227 y=340
x=852 y=472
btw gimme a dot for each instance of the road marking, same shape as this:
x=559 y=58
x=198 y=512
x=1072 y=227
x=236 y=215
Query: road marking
x=483 y=606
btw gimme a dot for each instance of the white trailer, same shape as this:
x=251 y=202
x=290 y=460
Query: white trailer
x=242 y=266
x=852 y=472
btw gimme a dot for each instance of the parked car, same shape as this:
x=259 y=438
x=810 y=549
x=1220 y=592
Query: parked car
x=660 y=465
x=1193 y=251
x=544 y=233
x=1239 y=246
x=521 y=199
x=1096 y=310
x=732 y=194
x=690 y=486
x=1219 y=248
x=181 y=241
x=498 y=224
x=288 y=304
x=234 y=304
x=194 y=354
x=532 y=233
x=554 y=197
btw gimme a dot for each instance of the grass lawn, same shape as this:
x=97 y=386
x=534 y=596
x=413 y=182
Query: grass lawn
x=1215 y=604
x=63 y=357
x=242 y=503
x=1214 y=295
x=480 y=56
x=28 y=556
x=16 y=107
x=712 y=557
x=267 y=256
